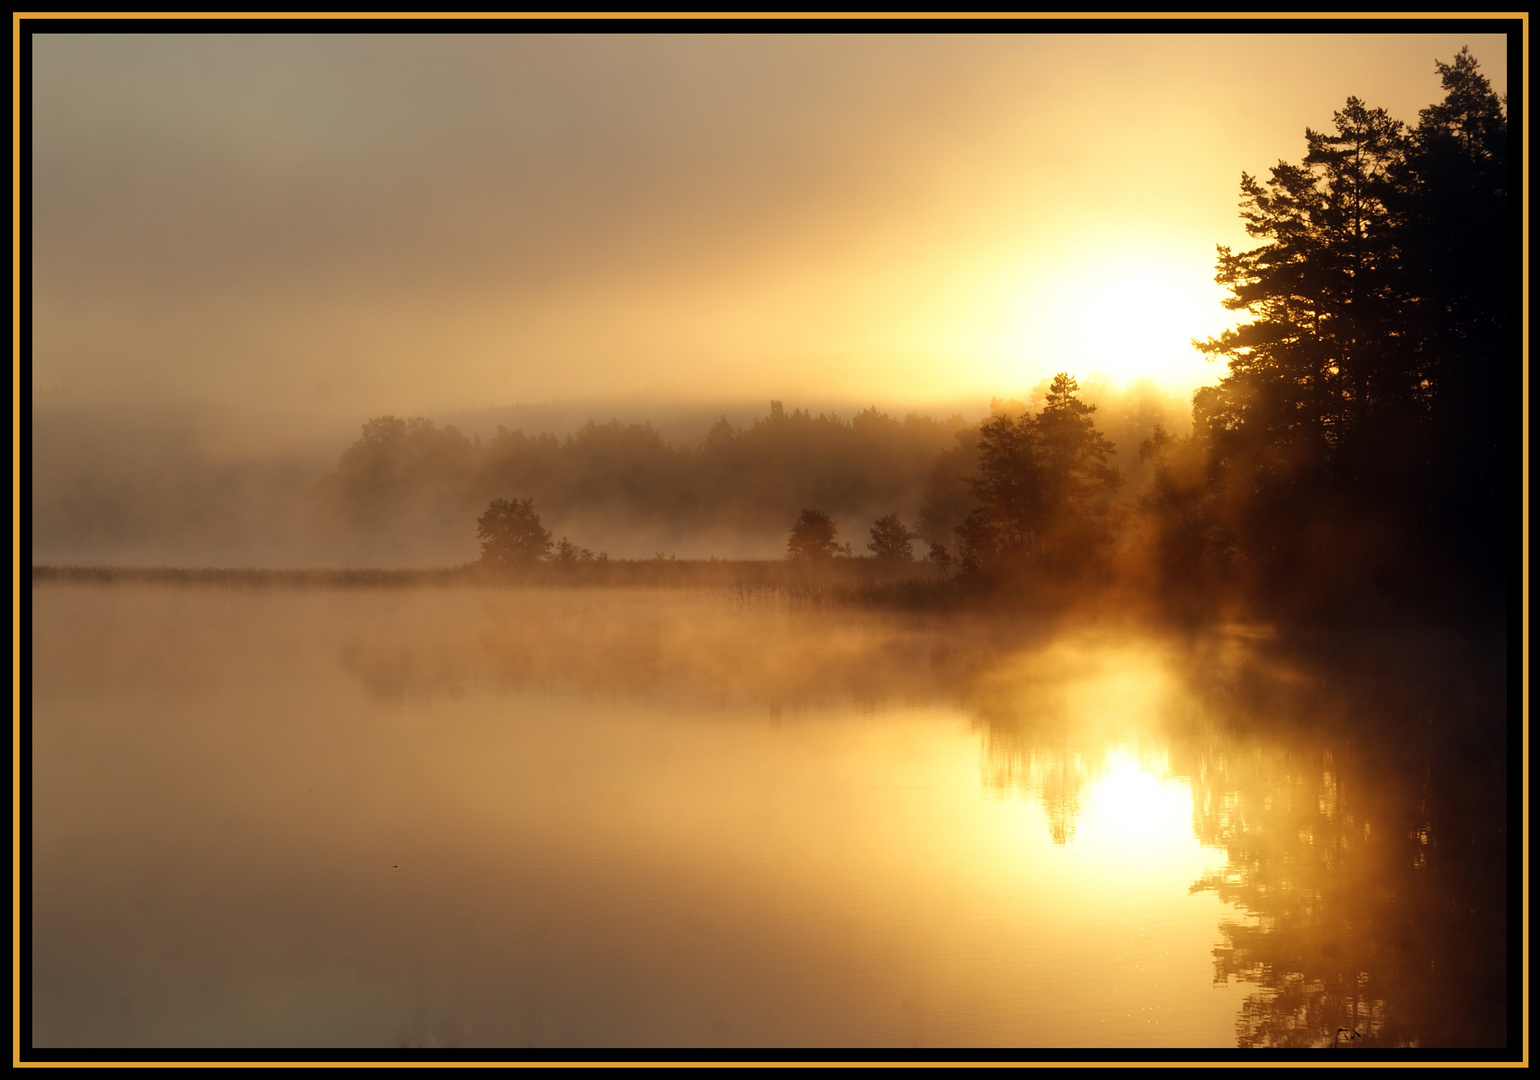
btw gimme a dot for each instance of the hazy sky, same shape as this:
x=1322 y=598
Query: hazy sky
x=363 y=224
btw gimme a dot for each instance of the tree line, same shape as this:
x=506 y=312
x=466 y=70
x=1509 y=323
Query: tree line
x=409 y=477
x=1041 y=499
x=409 y=474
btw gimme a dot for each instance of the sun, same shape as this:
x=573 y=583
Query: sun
x=1127 y=313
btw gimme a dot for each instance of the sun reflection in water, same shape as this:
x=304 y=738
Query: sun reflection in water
x=1137 y=811
x=1080 y=729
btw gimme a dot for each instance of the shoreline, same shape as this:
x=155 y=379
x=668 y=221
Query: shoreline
x=857 y=574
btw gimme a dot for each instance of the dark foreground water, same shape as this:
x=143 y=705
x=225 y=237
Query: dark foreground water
x=457 y=818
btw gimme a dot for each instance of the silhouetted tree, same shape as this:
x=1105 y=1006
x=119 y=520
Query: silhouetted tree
x=812 y=537
x=1009 y=489
x=1458 y=260
x=1042 y=487
x=1323 y=299
x=941 y=557
x=1075 y=479
x=511 y=534
x=890 y=540
x=978 y=544
x=1364 y=405
x=568 y=552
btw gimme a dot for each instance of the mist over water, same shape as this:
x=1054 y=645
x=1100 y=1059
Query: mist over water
x=508 y=817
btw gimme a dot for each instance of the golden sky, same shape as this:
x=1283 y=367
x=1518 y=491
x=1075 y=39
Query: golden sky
x=417 y=223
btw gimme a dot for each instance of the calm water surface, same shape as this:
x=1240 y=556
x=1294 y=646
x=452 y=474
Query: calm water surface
x=585 y=818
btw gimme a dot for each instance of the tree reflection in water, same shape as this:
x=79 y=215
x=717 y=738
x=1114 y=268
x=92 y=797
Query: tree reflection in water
x=1360 y=797
x=1368 y=852
x=1051 y=717
x=1057 y=777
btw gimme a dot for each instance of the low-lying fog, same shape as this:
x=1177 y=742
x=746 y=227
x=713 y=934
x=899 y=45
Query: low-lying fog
x=204 y=487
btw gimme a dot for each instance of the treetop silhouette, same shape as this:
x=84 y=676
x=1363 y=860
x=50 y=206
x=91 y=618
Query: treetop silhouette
x=812 y=538
x=891 y=540
x=511 y=534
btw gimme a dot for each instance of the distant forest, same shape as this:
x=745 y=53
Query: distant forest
x=407 y=476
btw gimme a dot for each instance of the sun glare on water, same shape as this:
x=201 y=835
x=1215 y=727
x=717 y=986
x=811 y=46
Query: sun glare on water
x=1134 y=808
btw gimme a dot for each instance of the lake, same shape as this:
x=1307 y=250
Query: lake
x=460 y=817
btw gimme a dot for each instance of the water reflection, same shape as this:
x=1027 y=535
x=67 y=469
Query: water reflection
x=576 y=818
x=1367 y=850
x=1362 y=814
x=1056 y=716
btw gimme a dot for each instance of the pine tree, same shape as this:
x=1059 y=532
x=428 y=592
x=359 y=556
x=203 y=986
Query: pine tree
x=1366 y=394
x=1324 y=297
x=1460 y=245
x=1042 y=486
